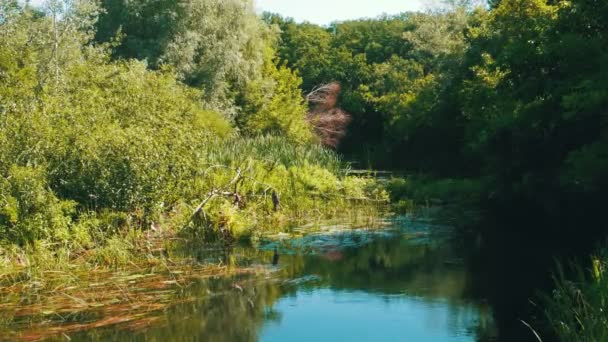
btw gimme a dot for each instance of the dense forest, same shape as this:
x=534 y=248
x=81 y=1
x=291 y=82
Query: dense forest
x=203 y=119
x=513 y=96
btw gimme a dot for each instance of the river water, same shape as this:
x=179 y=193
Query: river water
x=409 y=281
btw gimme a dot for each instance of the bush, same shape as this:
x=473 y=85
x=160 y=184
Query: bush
x=29 y=210
x=308 y=179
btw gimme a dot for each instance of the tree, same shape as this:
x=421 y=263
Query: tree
x=273 y=104
x=215 y=45
x=306 y=48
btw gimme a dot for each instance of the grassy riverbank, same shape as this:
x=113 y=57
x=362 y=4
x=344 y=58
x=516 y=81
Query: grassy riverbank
x=97 y=152
x=235 y=179
x=68 y=258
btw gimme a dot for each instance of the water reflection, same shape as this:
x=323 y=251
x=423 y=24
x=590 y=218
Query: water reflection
x=402 y=284
x=330 y=315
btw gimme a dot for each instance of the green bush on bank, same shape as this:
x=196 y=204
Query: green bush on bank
x=29 y=210
x=310 y=187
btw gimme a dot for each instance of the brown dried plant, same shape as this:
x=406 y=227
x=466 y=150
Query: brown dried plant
x=328 y=121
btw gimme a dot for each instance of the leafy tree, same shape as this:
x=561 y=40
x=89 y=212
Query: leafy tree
x=91 y=145
x=399 y=77
x=305 y=47
x=219 y=46
x=79 y=128
x=274 y=103
x=214 y=45
x=378 y=39
x=144 y=28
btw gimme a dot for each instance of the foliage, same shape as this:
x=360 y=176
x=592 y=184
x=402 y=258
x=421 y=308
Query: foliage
x=397 y=75
x=95 y=149
x=328 y=122
x=576 y=309
x=510 y=99
x=29 y=211
x=305 y=47
x=513 y=95
x=274 y=105
x=215 y=45
x=423 y=190
x=308 y=181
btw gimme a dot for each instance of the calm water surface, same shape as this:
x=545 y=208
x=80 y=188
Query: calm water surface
x=408 y=282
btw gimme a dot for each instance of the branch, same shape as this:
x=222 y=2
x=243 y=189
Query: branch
x=215 y=192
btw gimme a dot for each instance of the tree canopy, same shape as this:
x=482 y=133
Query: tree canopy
x=512 y=93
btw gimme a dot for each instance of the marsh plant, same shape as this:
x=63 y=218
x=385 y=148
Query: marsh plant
x=576 y=309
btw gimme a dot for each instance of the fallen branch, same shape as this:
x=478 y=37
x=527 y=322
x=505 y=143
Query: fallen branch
x=216 y=192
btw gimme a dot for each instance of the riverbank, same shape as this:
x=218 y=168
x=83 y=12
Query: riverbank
x=110 y=240
x=228 y=189
x=576 y=308
x=101 y=151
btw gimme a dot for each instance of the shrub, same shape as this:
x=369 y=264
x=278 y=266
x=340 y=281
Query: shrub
x=29 y=210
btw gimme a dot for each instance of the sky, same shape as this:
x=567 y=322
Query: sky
x=324 y=12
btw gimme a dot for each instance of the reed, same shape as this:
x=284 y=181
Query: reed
x=576 y=309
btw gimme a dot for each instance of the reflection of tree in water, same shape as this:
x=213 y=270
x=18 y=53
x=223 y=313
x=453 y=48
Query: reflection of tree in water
x=226 y=310
x=429 y=272
x=236 y=309
x=391 y=266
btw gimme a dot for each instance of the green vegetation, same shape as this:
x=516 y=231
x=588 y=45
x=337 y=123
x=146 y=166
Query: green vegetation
x=97 y=149
x=452 y=201
x=512 y=95
x=424 y=190
x=576 y=309
x=123 y=123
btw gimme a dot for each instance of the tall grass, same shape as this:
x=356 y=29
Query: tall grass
x=308 y=180
x=577 y=308
x=274 y=149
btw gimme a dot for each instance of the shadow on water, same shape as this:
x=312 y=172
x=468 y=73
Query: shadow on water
x=409 y=282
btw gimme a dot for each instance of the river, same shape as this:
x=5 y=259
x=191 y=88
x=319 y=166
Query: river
x=408 y=281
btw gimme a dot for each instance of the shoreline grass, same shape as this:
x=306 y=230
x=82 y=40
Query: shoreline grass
x=576 y=308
